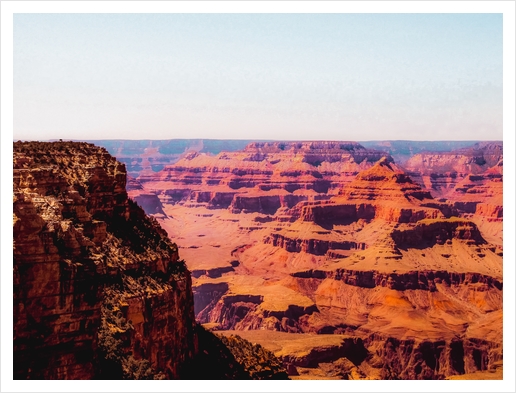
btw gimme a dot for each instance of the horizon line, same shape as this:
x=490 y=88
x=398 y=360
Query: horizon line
x=260 y=140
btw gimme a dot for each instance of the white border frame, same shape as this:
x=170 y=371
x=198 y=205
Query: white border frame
x=507 y=8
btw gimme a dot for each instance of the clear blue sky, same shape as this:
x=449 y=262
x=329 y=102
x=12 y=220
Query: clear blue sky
x=264 y=76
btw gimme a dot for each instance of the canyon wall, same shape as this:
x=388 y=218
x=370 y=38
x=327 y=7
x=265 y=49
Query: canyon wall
x=440 y=172
x=150 y=156
x=99 y=291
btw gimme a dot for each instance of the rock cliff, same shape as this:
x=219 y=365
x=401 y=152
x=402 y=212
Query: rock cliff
x=99 y=290
x=400 y=272
x=482 y=193
x=441 y=171
x=383 y=191
x=401 y=151
x=151 y=156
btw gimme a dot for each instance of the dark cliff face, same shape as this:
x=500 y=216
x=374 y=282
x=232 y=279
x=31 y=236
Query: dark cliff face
x=422 y=280
x=429 y=232
x=99 y=291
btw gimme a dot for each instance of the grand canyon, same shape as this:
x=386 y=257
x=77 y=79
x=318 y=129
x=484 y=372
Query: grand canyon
x=258 y=259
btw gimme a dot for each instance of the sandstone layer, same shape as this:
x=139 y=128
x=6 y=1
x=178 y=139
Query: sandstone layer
x=150 y=156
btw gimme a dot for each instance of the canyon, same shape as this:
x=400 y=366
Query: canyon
x=342 y=260
x=333 y=239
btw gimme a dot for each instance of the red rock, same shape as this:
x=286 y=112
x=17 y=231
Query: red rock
x=440 y=172
x=77 y=236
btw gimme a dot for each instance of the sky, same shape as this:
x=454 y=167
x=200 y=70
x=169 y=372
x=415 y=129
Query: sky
x=258 y=76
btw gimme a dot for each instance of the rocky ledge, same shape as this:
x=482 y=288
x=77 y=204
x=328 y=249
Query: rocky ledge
x=428 y=232
x=423 y=280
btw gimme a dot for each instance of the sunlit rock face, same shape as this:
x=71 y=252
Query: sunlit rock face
x=99 y=290
x=412 y=282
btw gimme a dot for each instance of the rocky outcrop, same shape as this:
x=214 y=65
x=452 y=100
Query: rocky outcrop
x=492 y=211
x=384 y=179
x=259 y=362
x=329 y=227
x=230 y=306
x=482 y=194
x=243 y=312
x=98 y=287
x=313 y=152
x=265 y=204
x=383 y=191
x=336 y=212
x=401 y=151
x=426 y=233
x=423 y=280
x=311 y=246
x=376 y=356
x=149 y=202
x=415 y=359
x=442 y=171
x=232 y=357
x=214 y=273
x=260 y=204
x=351 y=348
x=133 y=184
x=331 y=212
x=208 y=294
x=151 y=156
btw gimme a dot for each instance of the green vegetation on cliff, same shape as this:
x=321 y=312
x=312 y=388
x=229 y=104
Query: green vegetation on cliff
x=232 y=357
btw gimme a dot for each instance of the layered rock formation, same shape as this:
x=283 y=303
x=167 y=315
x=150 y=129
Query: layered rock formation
x=325 y=356
x=383 y=191
x=263 y=177
x=469 y=182
x=441 y=171
x=381 y=261
x=150 y=156
x=402 y=151
x=332 y=228
x=481 y=194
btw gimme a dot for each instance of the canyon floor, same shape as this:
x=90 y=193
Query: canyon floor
x=342 y=262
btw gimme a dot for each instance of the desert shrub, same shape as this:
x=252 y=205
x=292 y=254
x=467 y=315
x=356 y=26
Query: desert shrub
x=259 y=362
x=115 y=358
